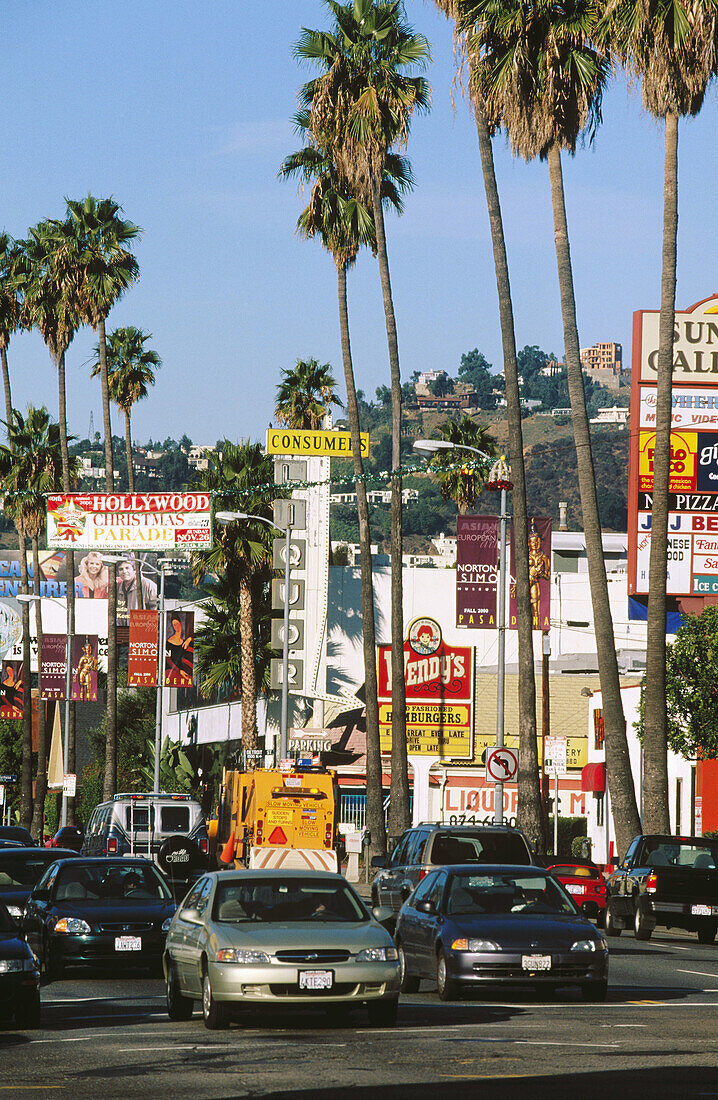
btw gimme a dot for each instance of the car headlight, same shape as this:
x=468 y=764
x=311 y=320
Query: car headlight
x=14 y=911
x=166 y=924
x=474 y=945
x=10 y=966
x=248 y=958
x=377 y=955
x=584 y=945
x=74 y=926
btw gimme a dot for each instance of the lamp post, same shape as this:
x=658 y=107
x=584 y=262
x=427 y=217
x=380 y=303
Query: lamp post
x=499 y=478
x=68 y=685
x=230 y=517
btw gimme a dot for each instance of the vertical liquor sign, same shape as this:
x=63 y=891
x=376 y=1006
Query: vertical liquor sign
x=693 y=484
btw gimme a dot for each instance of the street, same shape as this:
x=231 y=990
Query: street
x=656 y=1036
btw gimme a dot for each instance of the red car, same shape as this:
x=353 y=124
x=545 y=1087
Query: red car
x=586 y=885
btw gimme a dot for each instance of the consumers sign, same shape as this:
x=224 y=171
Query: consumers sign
x=329 y=444
x=129 y=521
x=693 y=479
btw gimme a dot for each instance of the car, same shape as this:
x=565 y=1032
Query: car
x=424 y=847
x=19 y=975
x=69 y=836
x=469 y=927
x=585 y=883
x=20 y=869
x=96 y=912
x=11 y=843
x=17 y=832
x=276 y=938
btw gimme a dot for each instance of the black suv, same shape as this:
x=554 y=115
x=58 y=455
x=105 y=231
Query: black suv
x=430 y=845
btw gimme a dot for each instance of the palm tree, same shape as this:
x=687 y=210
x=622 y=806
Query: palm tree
x=31 y=465
x=530 y=817
x=461 y=480
x=130 y=371
x=9 y=311
x=359 y=108
x=240 y=550
x=305 y=395
x=671 y=48
x=540 y=78
x=343 y=224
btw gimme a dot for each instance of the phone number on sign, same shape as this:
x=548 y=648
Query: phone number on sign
x=476 y=819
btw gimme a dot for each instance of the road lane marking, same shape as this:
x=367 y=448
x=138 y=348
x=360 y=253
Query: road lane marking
x=700 y=973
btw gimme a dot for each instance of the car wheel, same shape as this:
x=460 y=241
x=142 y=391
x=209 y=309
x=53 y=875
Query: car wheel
x=609 y=922
x=447 y=987
x=707 y=931
x=641 y=931
x=51 y=965
x=594 y=991
x=215 y=1015
x=383 y=1013
x=409 y=982
x=27 y=1010
x=179 y=1007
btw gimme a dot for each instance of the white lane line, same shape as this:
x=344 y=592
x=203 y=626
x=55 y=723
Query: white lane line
x=77 y=1039
x=700 y=973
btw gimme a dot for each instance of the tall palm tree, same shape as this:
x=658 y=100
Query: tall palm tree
x=102 y=270
x=530 y=817
x=343 y=224
x=461 y=478
x=240 y=550
x=30 y=466
x=130 y=371
x=540 y=78
x=359 y=108
x=672 y=49
x=9 y=311
x=305 y=395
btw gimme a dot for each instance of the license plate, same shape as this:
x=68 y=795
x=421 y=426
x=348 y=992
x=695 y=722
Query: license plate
x=575 y=889
x=315 y=979
x=535 y=962
x=128 y=943
x=701 y=910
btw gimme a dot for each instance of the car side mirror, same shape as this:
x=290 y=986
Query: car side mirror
x=378 y=861
x=384 y=914
x=426 y=907
x=192 y=916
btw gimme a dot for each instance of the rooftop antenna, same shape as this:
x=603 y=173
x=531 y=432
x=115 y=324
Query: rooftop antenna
x=91 y=429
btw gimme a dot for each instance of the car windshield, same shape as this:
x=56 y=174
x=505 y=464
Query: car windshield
x=115 y=882
x=286 y=901
x=461 y=847
x=17 y=872
x=575 y=871
x=7 y=924
x=502 y=892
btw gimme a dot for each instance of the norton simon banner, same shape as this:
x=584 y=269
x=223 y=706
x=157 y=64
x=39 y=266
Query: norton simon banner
x=129 y=521
x=439 y=694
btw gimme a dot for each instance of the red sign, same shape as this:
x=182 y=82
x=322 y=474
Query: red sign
x=11 y=684
x=53 y=666
x=477 y=572
x=539 y=575
x=84 y=668
x=142 y=659
x=179 y=648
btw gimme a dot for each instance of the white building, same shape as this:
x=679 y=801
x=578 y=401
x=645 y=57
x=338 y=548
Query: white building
x=615 y=415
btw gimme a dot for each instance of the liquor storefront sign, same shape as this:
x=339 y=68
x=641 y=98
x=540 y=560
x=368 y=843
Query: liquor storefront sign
x=439 y=680
x=129 y=521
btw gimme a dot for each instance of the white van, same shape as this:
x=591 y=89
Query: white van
x=148 y=824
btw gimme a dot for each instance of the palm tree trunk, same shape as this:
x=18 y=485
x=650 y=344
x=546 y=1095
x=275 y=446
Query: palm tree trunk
x=399 y=814
x=530 y=817
x=128 y=452
x=249 y=677
x=38 y=817
x=618 y=764
x=374 y=793
x=69 y=568
x=655 y=739
x=6 y=384
x=26 y=776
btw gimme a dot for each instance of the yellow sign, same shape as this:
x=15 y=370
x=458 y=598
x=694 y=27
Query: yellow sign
x=432 y=729
x=576 y=748
x=684 y=447
x=288 y=441
x=279 y=815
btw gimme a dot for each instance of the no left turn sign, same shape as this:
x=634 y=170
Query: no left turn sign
x=502 y=765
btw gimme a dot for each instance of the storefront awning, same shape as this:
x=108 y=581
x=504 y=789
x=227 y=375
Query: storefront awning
x=593 y=777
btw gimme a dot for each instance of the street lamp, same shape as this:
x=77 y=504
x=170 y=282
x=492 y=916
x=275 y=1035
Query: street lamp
x=230 y=517
x=499 y=475
x=68 y=688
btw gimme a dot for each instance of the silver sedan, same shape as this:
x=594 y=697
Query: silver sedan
x=282 y=938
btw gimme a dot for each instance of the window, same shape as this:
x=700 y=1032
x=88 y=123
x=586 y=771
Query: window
x=424 y=888
x=190 y=902
x=437 y=890
x=286 y=901
x=175 y=819
x=397 y=856
x=201 y=903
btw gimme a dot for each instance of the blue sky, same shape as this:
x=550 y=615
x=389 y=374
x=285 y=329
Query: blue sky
x=182 y=110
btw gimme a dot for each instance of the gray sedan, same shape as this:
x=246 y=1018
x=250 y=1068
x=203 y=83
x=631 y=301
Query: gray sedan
x=281 y=938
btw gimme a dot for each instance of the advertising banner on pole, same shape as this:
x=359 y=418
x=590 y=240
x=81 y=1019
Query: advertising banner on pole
x=53 y=666
x=84 y=668
x=539 y=575
x=142 y=658
x=129 y=521
x=179 y=648
x=12 y=689
x=439 y=681
x=477 y=571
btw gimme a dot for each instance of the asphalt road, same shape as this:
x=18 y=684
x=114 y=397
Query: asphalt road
x=657 y=1036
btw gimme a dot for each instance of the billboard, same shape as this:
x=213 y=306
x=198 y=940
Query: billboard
x=11 y=690
x=325 y=444
x=142 y=655
x=84 y=668
x=693 y=484
x=179 y=648
x=477 y=571
x=539 y=575
x=53 y=666
x=129 y=521
x=439 y=682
